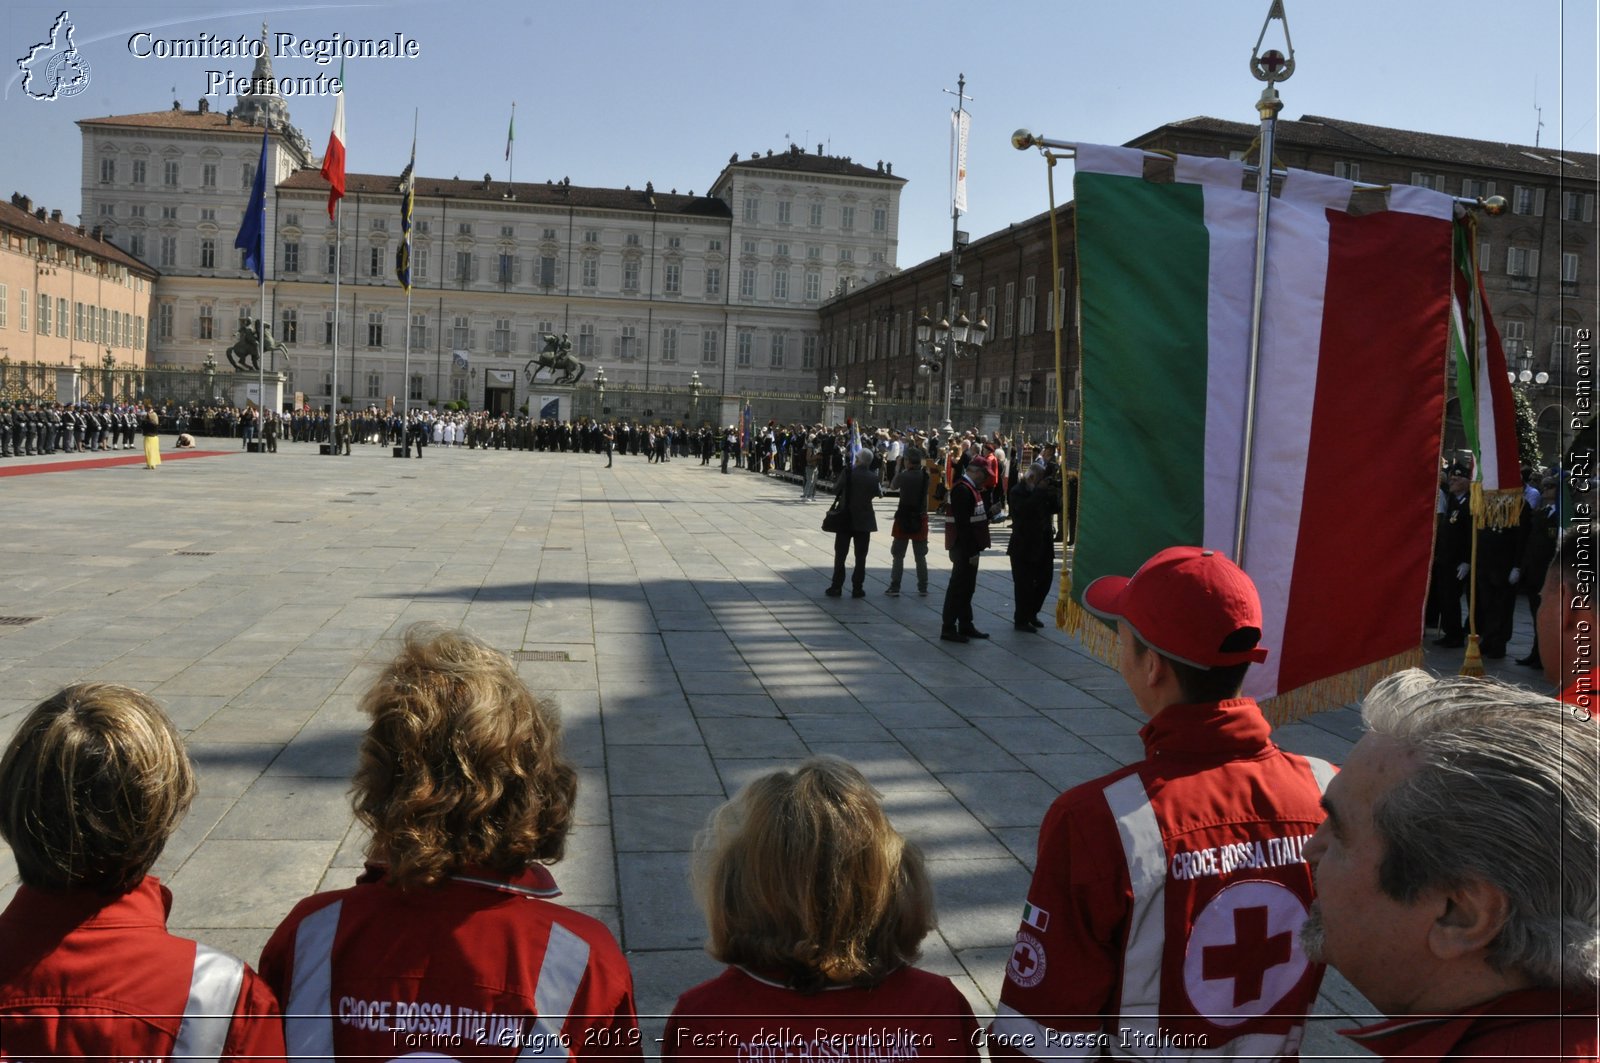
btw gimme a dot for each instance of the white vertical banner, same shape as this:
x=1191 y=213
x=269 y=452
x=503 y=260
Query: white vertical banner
x=961 y=122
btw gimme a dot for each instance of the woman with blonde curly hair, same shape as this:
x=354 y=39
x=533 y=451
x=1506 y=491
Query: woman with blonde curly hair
x=450 y=941
x=818 y=905
x=92 y=785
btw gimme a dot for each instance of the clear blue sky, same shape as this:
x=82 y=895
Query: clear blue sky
x=612 y=93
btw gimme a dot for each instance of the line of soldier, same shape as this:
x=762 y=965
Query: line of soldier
x=28 y=428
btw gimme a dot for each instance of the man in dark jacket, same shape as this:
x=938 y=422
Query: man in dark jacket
x=967 y=538
x=856 y=492
x=1032 y=548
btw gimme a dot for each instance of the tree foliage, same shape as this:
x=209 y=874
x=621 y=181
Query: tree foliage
x=1528 y=448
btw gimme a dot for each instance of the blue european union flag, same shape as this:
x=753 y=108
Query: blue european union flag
x=253 y=230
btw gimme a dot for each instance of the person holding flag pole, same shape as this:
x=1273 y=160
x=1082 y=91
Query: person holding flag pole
x=1488 y=418
x=333 y=173
x=252 y=241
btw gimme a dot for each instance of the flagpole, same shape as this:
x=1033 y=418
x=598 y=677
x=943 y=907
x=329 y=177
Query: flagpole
x=261 y=331
x=511 y=144
x=333 y=169
x=1270 y=67
x=353 y=294
x=406 y=200
x=333 y=340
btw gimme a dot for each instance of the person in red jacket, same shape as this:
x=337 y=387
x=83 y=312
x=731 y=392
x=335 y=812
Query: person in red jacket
x=1163 y=912
x=91 y=787
x=450 y=943
x=1456 y=872
x=818 y=905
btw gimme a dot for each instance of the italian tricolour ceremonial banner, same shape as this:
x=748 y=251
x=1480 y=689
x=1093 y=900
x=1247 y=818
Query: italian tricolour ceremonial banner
x=1348 y=414
x=1483 y=394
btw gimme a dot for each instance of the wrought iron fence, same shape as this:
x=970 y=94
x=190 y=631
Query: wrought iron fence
x=119 y=385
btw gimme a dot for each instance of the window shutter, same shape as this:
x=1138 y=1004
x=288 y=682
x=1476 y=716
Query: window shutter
x=1588 y=206
x=1538 y=202
x=1533 y=263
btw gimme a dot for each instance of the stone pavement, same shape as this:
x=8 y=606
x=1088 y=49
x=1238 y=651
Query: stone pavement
x=675 y=613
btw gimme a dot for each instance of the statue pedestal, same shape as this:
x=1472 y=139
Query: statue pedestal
x=244 y=389
x=69 y=386
x=551 y=401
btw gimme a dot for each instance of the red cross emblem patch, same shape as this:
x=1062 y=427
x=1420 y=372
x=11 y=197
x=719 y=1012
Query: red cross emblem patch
x=1244 y=955
x=1027 y=963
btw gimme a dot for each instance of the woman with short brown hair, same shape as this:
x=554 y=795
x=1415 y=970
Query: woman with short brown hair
x=819 y=906
x=462 y=783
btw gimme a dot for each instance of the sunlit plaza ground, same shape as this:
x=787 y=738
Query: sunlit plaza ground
x=676 y=615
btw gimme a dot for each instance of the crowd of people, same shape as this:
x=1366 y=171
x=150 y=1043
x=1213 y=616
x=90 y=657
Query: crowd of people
x=1507 y=561
x=28 y=428
x=1184 y=904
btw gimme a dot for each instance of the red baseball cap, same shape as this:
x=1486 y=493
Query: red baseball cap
x=1188 y=603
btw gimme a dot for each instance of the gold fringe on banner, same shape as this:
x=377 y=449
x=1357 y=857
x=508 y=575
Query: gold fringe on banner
x=1336 y=690
x=1092 y=633
x=1496 y=509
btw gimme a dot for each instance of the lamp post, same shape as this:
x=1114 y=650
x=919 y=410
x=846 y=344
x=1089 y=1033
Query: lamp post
x=694 y=395
x=1524 y=373
x=832 y=397
x=600 y=387
x=939 y=344
x=871 y=394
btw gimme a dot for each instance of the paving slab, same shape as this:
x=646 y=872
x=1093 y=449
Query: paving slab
x=700 y=655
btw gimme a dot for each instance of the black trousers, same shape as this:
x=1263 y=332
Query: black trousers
x=841 y=546
x=958 y=594
x=1030 y=581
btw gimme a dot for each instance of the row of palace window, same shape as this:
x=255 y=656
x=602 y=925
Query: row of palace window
x=502 y=338
x=172 y=172
x=785 y=214
x=1528 y=200
x=895 y=334
x=508 y=270
x=90 y=324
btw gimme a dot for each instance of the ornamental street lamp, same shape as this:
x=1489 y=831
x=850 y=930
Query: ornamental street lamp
x=832 y=398
x=871 y=393
x=600 y=386
x=1524 y=373
x=694 y=394
x=940 y=343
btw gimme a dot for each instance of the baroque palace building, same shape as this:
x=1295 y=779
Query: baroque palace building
x=1538 y=259
x=68 y=297
x=653 y=285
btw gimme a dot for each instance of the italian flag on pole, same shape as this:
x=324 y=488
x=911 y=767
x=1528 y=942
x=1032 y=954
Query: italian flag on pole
x=1483 y=393
x=333 y=158
x=1348 y=413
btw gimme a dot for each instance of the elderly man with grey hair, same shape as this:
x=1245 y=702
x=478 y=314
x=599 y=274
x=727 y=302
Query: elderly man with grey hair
x=1456 y=872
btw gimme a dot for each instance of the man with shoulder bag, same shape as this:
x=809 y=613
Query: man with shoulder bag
x=852 y=520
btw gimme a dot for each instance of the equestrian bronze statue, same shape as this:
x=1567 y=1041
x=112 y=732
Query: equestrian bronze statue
x=556 y=357
x=243 y=354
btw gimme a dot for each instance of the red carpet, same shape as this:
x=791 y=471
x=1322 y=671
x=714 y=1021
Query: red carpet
x=128 y=458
